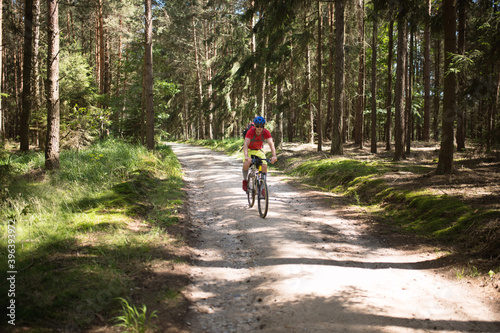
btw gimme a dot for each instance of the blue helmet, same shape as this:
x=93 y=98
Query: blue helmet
x=259 y=120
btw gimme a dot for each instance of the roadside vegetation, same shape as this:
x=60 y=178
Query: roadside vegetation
x=100 y=243
x=459 y=212
x=96 y=232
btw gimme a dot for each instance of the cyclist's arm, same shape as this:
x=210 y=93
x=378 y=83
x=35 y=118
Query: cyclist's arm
x=245 y=148
x=270 y=142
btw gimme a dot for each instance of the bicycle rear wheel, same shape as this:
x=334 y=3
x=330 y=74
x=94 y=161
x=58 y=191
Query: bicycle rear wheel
x=263 y=198
x=251 y=190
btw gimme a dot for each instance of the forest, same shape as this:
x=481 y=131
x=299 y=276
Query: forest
x=318 y=71
x=91 y=90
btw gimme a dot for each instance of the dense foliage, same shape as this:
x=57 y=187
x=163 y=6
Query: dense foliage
x=219 y=63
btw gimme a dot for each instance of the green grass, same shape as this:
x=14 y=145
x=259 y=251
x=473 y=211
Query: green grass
x=83 y=231
x=421 y=212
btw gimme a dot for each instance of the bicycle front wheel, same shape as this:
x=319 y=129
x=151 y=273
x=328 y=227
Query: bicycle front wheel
x=251 y=190
x=263 y=195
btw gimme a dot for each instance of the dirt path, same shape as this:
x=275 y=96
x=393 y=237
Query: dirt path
x=306 y=268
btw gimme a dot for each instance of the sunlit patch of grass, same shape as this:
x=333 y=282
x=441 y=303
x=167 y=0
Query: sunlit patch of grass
x=337 y=172
x=417 y=211
x=84 y=231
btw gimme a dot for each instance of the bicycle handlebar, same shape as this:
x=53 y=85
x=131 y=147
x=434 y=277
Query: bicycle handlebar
x=257 y=160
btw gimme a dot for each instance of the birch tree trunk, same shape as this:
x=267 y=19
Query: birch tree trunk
x=52 y=145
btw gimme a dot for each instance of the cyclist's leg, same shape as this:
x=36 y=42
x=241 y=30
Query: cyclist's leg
x=246 y=164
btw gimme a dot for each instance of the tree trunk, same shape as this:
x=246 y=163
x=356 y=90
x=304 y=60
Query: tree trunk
x=461 y=77
x=388 y=124
x=96 y=52
x=210 y=124
x=36 y=68
x=52 y=145
x=359 y=122
x=308 y=88
x=496 y=99
x=27 y=68
x=278 y=137
x=409 y=96
x=292 y=116
x=198 y=77
x=263 y=87
x=337 y=148
x=426 y=135
x=374 y=88
x=2 y=131
x=102 y=58
x=437 y=100
x=148 y=76
x=445 y=163
x=329 y=121
x=399 y=151
x=319 y=121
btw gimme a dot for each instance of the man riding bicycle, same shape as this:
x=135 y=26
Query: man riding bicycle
x=254 y=141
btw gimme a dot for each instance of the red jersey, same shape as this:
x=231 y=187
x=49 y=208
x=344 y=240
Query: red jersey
x=257 y=142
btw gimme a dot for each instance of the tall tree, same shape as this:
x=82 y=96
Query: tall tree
x=461 y=77
x=399 y=151
x=319 y=121
x=373 y=130
x=1 y=71
x=148 y=75
x=409 y=95
x=360 y=105
x=427 y=74
x=198 y=78
x=445 y=163
x=308 y=85
x=328 y=127
x=53 y=116
x=337 y=148
x=36 y=68
x=27 y=68
x=437 y=80
x=388 y=123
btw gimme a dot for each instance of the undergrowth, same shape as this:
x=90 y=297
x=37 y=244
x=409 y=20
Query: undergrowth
x=83 y=232
x=422 y=212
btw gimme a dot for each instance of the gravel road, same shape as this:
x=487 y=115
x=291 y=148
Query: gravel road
x=305 y=267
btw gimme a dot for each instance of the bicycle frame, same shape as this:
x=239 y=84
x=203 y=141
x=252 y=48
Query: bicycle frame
x=257 y=185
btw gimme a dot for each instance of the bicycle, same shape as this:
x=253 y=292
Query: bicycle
x=257 y=185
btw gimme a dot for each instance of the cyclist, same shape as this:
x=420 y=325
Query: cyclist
x=254 y=141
